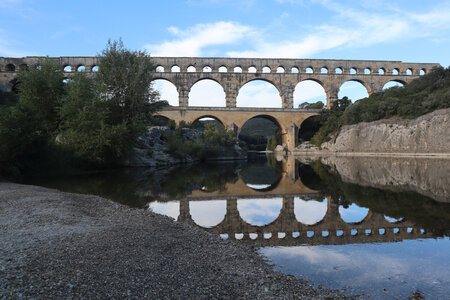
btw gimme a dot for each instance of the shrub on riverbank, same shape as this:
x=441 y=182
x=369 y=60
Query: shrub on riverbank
x=423 y=95
x=213 y=140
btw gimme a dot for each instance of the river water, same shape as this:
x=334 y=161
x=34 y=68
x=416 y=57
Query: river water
x=378 y=227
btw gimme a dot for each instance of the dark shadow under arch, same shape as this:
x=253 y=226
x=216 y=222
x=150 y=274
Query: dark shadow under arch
x=256 y=132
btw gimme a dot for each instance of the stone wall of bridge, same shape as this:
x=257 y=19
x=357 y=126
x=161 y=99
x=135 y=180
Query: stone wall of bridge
x=233 y=73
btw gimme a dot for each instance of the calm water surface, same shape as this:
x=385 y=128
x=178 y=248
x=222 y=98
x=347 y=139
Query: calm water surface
x=379 y=227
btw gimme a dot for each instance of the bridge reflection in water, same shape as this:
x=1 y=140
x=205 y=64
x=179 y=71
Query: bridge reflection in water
x=286 y=229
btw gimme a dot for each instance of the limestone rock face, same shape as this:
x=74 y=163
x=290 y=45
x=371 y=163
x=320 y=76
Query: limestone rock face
x=150 y=149
x=429 y=133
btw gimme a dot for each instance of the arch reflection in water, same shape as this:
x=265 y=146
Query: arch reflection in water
x=259 y=212
x=309 y=212
x=170 y=209
x=208 y=213
x=353 y=213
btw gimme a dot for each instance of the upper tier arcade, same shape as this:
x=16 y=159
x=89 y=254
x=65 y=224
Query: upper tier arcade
x=233 y=73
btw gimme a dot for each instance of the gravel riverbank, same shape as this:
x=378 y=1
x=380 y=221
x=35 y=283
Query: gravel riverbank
x=61 y=245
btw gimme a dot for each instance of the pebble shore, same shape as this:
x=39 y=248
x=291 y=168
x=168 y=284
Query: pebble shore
x=56 y=245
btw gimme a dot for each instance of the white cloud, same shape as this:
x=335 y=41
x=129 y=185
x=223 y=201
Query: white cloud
x=192 y=41
x=350 y=28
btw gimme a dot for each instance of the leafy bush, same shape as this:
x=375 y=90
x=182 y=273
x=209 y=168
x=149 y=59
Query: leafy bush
x=274 y=141
x=216 y=134
x=330 y=120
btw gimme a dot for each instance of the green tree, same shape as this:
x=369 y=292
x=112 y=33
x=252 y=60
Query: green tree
x=8 y=98
x=307 y=105
x=40 y=91
x=27 y=128
x=22 y=140
x=102 y=117
x=86 y=127
x=330 y=120
x=216 y=134
x=125 y=77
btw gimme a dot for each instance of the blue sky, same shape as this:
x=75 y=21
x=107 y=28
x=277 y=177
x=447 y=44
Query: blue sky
x=410 y=31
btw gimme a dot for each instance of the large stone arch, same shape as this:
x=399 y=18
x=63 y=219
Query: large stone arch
x=211 y=116
x=165 y=79
x=266 y=80
x=322 y=83
x=364 y=84
x=215 y=88
x=283 y=131
x=248 y=80
x=394 y=80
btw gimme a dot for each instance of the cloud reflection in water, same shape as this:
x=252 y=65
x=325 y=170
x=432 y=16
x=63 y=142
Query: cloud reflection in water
x=309 y=212
x=259 y=212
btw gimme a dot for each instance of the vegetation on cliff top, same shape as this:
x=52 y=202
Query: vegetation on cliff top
x=423 y=95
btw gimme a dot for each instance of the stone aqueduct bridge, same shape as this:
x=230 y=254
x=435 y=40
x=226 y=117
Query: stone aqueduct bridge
x=233 y=73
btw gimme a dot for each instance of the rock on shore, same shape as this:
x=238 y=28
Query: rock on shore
x=429 y=133
x=56 y=245
x=151 y=149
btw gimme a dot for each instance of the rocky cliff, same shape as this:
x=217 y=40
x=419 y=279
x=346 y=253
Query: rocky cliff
x=151 y=149
x=429 y=133
x=429 y=177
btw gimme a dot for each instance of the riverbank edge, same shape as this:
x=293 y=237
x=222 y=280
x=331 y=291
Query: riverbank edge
x=326 y=153
x=50 y=237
